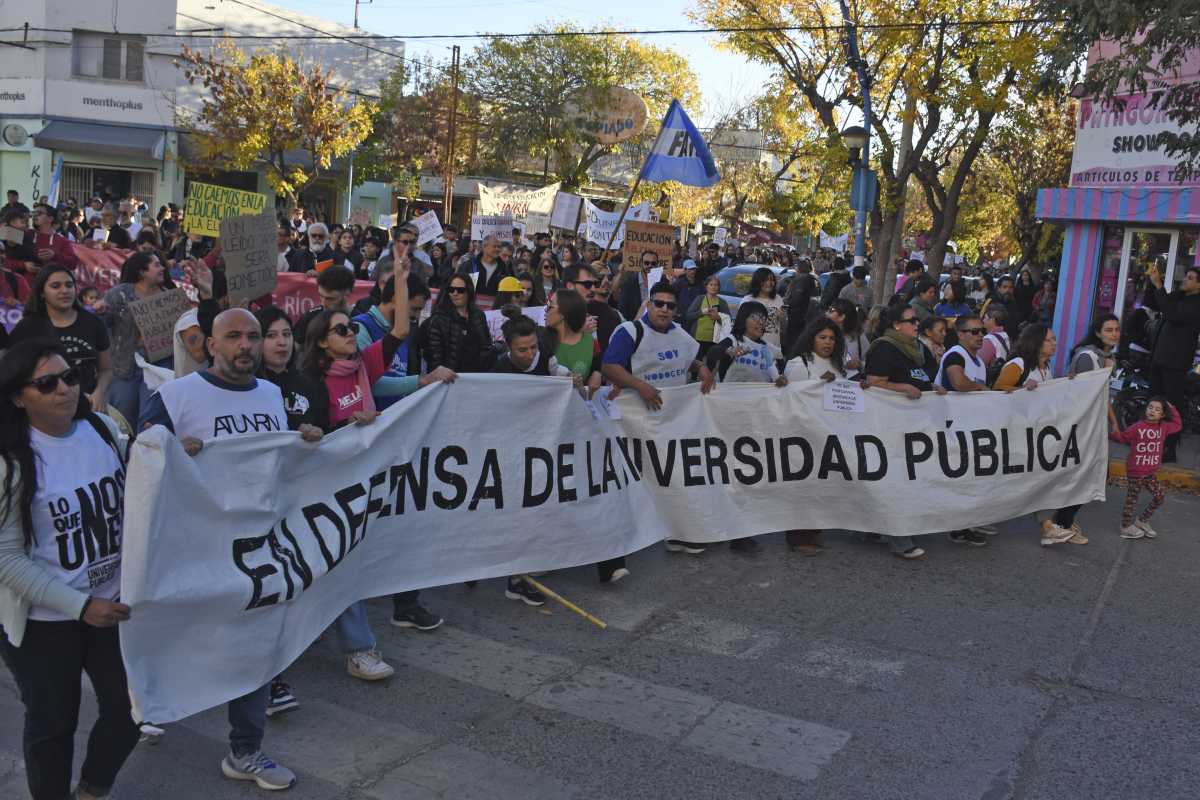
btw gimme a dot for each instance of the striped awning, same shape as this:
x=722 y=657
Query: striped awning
x=1166 y=206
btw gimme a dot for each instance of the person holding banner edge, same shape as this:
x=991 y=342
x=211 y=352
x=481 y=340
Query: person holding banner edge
x=654 y=353
x=59 y=606
x=210 y=404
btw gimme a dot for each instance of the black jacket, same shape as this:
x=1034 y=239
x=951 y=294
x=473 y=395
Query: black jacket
x=1175 y=346
x=488 y=287
x=463 y=345
x=305 y=402
x=304 y=260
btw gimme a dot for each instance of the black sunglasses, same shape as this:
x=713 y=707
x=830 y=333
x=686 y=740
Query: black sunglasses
x=342 y=329
x=48 y=383
x=586 y=284
x=973 y=331
x=456 y=289
x=913 y=320
x=669 y=305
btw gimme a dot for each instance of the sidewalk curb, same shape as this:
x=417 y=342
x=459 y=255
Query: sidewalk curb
x=1172 y=477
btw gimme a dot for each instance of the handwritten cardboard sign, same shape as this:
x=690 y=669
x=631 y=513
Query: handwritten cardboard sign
x=155 y=317
x=654 y=237
x=207 y=205
x=251 y=257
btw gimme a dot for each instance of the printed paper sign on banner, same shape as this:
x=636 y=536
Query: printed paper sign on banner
x=155 y=317
x=516 y=201
x=428 y=227
x=653 y=236
x=483 y=226
x=251 y=256
x=256 y=544
x=207 y=205
x=566 y=211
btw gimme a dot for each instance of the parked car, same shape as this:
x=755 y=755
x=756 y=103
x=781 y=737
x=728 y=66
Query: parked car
x=735 y=282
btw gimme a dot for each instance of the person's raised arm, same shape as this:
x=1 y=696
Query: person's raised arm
x=402 y=266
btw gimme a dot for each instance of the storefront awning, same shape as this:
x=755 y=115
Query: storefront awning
x=88 y=138
x=1147 y=204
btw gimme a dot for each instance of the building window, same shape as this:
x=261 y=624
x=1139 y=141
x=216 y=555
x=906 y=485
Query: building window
x=113 y=58
x=110 y=184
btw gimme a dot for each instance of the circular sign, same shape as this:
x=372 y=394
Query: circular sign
x=15 y=135
x=608 y=116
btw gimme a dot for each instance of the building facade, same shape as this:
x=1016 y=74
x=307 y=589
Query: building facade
x=1128 y=207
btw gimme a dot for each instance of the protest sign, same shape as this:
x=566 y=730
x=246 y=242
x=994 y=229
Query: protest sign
x=844 y=395
x=207 y=205
x=428 y=227
x=720 y=235
x=11 y=235
x=387 y=221
x=155 y=317
x=257 y=543
x=500 y=226
x=251 y=256
x=516 y=201
x=600 y=223
x=565 y=213
x=296 y=293
x=654 y=237
x=359 y=216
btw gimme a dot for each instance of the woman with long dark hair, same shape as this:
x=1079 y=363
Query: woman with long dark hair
x=819 y=353
x=456 y=335
x=53 y=310
x=1030 y=364
x=574 y=347
x=60 y=567
x=744 y=356
x=1098 y=348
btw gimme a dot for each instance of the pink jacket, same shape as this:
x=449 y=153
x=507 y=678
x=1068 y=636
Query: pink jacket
x=1145 y=440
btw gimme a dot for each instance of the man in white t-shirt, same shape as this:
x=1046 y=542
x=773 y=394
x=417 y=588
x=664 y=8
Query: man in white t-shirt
x=227 y=400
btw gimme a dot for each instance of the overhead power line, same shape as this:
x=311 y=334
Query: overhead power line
x=367 y=37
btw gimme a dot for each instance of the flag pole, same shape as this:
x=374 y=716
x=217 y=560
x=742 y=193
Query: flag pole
x=628 y=200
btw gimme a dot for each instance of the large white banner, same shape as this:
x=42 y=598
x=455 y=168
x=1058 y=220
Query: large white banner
x=237 y=559
x=531 y=206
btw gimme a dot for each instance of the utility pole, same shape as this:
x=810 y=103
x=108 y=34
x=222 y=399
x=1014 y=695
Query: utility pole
x=451 y=134
x=862 y=168
x=356 y=4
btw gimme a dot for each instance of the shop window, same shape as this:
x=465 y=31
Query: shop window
x=113 y=58
x=84 y=183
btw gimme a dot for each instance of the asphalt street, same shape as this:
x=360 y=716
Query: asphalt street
x=1010 y=671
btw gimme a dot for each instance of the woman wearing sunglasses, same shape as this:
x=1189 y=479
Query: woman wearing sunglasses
x=63 y=483
x=457 y=336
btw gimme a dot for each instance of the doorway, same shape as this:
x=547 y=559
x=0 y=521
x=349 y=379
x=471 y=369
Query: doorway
x=1122 y=281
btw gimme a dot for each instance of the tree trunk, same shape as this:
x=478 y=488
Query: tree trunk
x=906 y=145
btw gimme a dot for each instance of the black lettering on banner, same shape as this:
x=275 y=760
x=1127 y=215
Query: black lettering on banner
x=772 y=474
x=402 y=477
x=610 y=469
x=633 y=468
x=1008 y=468
x=1044 y=434
x=1029 y=451
x=691 y=460
x=740 y=447
x=1071 y=450
x=943 y=446
x=292 y=556
x=566 y=469
x=440 y=499
x=528 y=498
x=833 y=459
x=354 y=520
x=983 y=444
x=860 y=445
x=714 y=459
x=314 y=512
x=243 y=547
x=663 y=477
x=911 y=456
x=489 y=487
x=593 y=487
x=806 y=456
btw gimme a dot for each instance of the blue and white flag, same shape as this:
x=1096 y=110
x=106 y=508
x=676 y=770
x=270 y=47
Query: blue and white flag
x=680 y=153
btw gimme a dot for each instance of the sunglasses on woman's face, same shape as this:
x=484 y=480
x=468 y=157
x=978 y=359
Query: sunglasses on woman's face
x=342 y=329
x=48 y=383
x=456 y=289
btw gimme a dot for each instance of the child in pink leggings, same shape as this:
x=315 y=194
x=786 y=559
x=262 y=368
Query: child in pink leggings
x=1145 y=440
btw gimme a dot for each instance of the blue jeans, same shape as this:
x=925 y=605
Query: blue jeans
x=353 y=630
x=247 y=721
x=125 y=394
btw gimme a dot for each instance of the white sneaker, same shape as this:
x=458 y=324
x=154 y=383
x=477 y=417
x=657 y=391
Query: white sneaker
x=368 y=665
x=1055 y=534
x=258 y=768
x=618 y=573
x=1146 y=529
x=1132 y=532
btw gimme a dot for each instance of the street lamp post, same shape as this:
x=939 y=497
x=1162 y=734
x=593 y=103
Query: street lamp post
x=858 y=140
